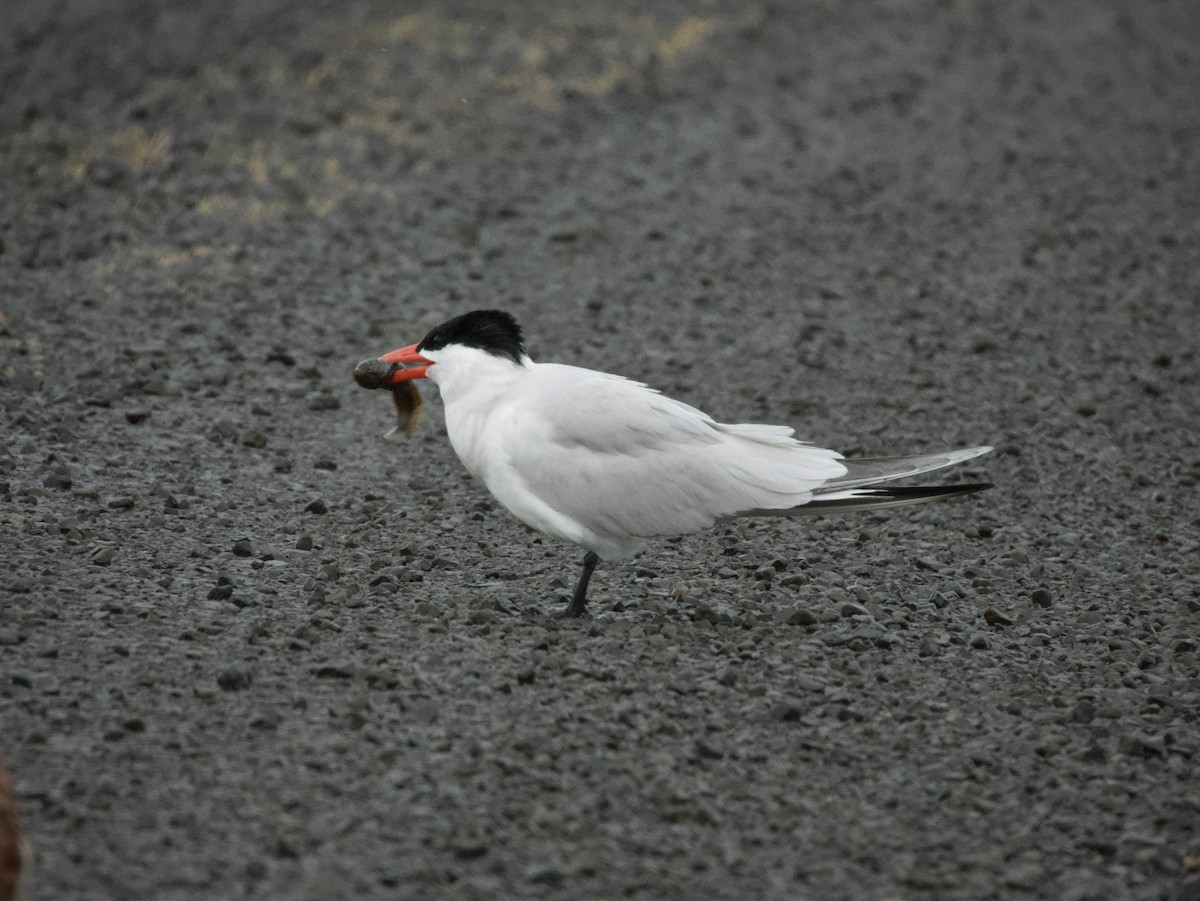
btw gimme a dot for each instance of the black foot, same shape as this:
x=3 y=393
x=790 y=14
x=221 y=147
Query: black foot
x=578 y=605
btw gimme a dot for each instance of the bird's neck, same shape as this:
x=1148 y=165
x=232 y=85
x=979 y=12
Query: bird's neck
x=472 y=396
x=478 y=381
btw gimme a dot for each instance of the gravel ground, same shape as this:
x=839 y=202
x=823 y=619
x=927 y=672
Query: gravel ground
x=249 y=650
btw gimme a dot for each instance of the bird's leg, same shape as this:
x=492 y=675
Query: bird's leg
x=579 y=599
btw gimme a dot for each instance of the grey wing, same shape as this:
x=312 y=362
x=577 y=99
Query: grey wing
x=628 y=461
x=875 y=470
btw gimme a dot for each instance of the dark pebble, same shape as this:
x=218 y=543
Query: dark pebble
x=788 y=709
x=58 y=479
x=706 y=751
x=470 y=848
x=235 y=677
x=323 y=402
x=796 y=616
x=1084 y=712
x=334 y=669
x=1141 y=745
x=996 y=618
x=544 y=874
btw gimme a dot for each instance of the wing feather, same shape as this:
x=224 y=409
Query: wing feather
x=627 y=463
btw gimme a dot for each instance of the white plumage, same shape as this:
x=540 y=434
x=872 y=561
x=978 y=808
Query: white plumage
x=608 y=463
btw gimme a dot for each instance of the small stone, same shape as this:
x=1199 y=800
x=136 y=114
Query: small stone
x=254 y=438
x=323 y=402
x=1084 y=712
x=318 y=506
x=243 y=548
x=850 y=609
x=788 y=709
x=469 y=847
x=304 y=543
x=1041 y=597
x=235 y=677
x=928 y=647
x=60 y=479
x=796 y=616
x=996 y=618
x=809 y=683
x=706 y=751
x=224 y=429
x=1142 y=745
x=544 y=874
x=334 y=669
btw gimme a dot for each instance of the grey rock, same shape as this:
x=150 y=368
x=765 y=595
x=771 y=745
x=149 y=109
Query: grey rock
x=796 y=615
x=235 y=677
x=849 y=609
x=789 y=709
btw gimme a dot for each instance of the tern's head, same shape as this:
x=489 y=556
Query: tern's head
x=494 y=333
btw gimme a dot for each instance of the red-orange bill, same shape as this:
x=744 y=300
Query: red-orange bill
x=407 y=357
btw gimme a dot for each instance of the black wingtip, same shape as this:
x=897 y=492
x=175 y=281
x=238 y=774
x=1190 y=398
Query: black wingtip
x=904 y=491
x=877 y=498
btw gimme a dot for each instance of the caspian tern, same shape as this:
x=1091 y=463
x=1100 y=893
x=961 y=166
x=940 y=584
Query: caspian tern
x=608 y=463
